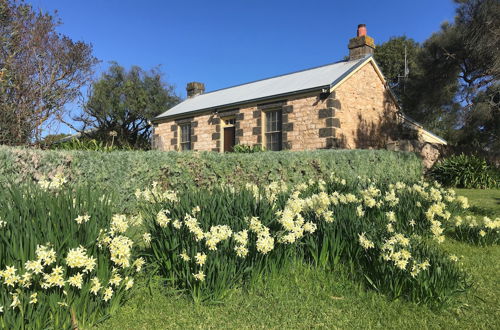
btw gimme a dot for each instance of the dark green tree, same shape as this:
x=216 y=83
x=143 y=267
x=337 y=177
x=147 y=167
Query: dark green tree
x=452 y=86
x=481 y=129
x=460 y=64
x=390 y=56
x=431 y=91
x=121 y=103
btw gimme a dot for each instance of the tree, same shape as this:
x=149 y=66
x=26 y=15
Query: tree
x=432 y=88
x=481 y=129
x=452 y=86
x=460 y=65
x=40 y=71
x=390 y=56
x=122 y=102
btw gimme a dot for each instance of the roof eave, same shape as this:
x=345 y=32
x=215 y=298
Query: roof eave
x=420 y=126
x=235 y=104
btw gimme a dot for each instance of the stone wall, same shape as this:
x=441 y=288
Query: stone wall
x=358 y=114
x=246 y=133
x=309 y=123
x=430 y=152
x=365 y=110
x=202 y=129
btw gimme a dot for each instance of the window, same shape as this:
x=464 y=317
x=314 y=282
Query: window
x=273 y=130
x=185 y=136
x=229 y=122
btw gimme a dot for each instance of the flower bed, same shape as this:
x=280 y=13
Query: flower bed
x=65 y=259
x=208 y=242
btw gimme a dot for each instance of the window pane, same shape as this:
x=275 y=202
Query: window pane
x=273 y=141
x=185 y=142
x=273 y=130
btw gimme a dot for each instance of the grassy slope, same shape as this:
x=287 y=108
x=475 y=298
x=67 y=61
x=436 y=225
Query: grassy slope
x=488 y=199
x=303 y=297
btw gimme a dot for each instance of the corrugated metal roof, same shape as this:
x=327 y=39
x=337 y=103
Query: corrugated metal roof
x=323 y=76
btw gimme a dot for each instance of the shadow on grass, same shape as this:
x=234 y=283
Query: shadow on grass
x=482 y=211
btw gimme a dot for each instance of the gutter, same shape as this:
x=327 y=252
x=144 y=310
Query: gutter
x=230 y=105
x=325 y=88
x=418 y=125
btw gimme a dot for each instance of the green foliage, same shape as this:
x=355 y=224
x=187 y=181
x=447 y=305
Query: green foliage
x=33 y=220
x=322 y=223
x=305 y=296
x=122 y=172
x=302 y=296
x=475 y=229
x=481 y=126
x=466 y=171
x=222 y=271
x=51 y=138
x=390 y=56
x=123 y=101
x=88 y=145
x=452 y=87
x=247 y=149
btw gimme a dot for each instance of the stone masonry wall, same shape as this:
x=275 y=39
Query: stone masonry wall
x=308 y=123
x=358 y=114
x=202 y=128
x=365 y=111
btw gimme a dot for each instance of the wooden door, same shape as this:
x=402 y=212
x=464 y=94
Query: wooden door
x=229 y=138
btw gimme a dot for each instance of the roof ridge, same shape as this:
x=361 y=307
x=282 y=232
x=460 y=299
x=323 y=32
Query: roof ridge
x=280 y=75
x=286 y=83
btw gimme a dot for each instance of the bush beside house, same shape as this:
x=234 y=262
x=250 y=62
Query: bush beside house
x=125 y=171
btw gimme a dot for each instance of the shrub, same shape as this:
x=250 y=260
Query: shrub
x=65 y=260
x=88 y=145
x=122 y=172
x=207 y=242
x=475 y=230
x=466 y=171
x=247 y=149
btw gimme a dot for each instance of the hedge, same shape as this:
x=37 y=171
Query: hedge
x=125 y=171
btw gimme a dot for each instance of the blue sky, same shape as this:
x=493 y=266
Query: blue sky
x=224 y=43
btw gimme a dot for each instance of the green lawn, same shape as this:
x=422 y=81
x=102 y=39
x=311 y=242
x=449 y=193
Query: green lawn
x=487 y=199
x=304 y=297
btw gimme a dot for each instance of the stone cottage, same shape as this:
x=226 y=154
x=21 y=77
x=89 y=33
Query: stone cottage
x=346 y=104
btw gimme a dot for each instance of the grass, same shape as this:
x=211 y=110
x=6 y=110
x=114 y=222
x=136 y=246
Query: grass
x=305 y=297
x=485 y=200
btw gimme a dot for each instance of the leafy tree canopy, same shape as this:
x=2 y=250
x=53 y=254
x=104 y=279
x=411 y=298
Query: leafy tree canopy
x=452 y=85
x=122 y=102
x=390 y=56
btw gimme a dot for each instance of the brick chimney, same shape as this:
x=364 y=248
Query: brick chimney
x=362 y=45
x=195 y=88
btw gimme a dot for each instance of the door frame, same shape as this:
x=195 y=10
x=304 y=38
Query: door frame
x=227 y=121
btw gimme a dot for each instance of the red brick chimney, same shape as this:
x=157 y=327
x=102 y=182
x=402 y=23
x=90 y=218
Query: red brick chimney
x=362 y=45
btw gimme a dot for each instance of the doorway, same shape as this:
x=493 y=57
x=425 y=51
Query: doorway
x=229 y=134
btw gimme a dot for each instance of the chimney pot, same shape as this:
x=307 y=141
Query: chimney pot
x=362 y=45
x=361 y=30
x=195 y=88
